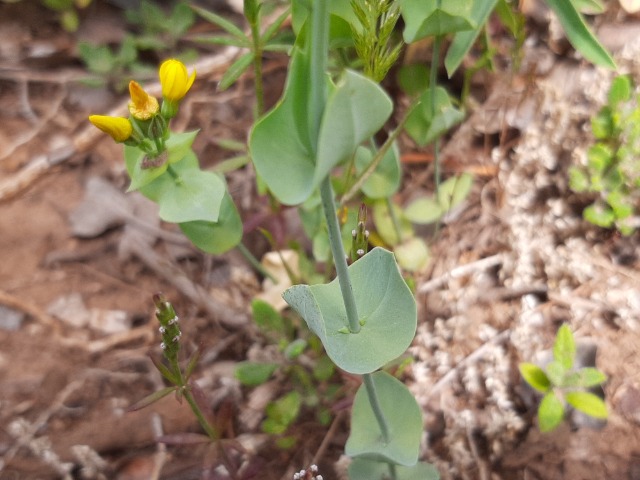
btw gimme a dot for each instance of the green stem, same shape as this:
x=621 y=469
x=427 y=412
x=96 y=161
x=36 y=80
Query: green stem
x=375 y=406
x=433 y=79
x=174 y=175
x=392 y=471
x=319 y=49
x=257 y=70
x=211 y=432
x=255 y=263
x=339 y=257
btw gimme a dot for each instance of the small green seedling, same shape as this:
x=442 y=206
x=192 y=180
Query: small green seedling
x=613 y=163
x=561 y=383
x=309 y=378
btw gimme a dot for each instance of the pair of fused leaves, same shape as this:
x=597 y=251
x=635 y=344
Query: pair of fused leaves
x=560 y=382
x=385 y=306
x=197 y=200
x=282 y=141
x=372 y=454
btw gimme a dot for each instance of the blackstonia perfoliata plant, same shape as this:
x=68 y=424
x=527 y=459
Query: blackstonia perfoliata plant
x=562 y=383
x=327 y=121
x=164 y=168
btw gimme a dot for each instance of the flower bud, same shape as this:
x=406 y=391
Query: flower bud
x=360 y=235
x=118 y=128
x=142 y=105
x=169 y=327
x=175 y=80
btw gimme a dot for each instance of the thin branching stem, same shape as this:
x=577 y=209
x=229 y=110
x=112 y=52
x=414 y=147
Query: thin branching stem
x=255 y=263
x=377 y=158
x=210 y=431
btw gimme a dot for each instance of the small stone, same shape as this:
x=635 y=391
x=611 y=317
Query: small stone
x=10 y=319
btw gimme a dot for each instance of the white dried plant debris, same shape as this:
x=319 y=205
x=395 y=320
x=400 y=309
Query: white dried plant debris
x=90 y=461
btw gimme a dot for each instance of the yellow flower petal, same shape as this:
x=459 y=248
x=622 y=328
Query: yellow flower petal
x=175 y=80
x=118 y=128
x=142 y=105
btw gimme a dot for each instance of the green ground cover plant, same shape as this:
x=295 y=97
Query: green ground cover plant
x=612 y=172
x=562 y=384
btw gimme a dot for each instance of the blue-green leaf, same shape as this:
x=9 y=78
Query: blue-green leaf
x=403 y=417
x=364 y=469
x=216 y=237
x=385 y=306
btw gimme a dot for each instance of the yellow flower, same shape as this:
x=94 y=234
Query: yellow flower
x=118 y=127
x=175 y=80
x=142 y=105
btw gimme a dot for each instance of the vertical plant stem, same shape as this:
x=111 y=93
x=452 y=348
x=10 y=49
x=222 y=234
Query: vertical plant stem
x=319 y=49
x=375 y=406
x=339 y=257
x=210 y=431
x=433 y=79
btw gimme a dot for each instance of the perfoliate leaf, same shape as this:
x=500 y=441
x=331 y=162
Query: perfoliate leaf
x=384 y=303
x=403 y=417
x=216 y=237
x=365 y=469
